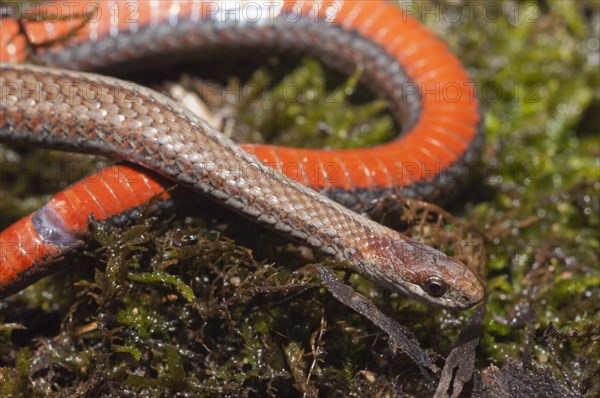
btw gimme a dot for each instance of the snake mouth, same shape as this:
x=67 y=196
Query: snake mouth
x=461 y=294
x=453 y=299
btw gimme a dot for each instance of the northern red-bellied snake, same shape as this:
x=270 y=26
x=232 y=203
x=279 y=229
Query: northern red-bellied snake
x=430 y=92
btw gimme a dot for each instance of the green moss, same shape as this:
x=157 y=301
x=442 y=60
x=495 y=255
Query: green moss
x=543 y=217
x=163 y=277
x=14 y=380
x=300 y=111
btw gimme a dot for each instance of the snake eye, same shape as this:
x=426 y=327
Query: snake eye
x=435 y=286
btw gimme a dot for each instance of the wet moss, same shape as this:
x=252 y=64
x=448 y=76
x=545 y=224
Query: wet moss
x=301 y=110
x=209 y=305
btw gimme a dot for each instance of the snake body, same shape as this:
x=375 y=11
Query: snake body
x=87 y=112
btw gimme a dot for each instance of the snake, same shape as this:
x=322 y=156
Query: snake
x=70 y=103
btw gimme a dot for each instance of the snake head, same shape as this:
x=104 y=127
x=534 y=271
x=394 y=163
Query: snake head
x=427 y=274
